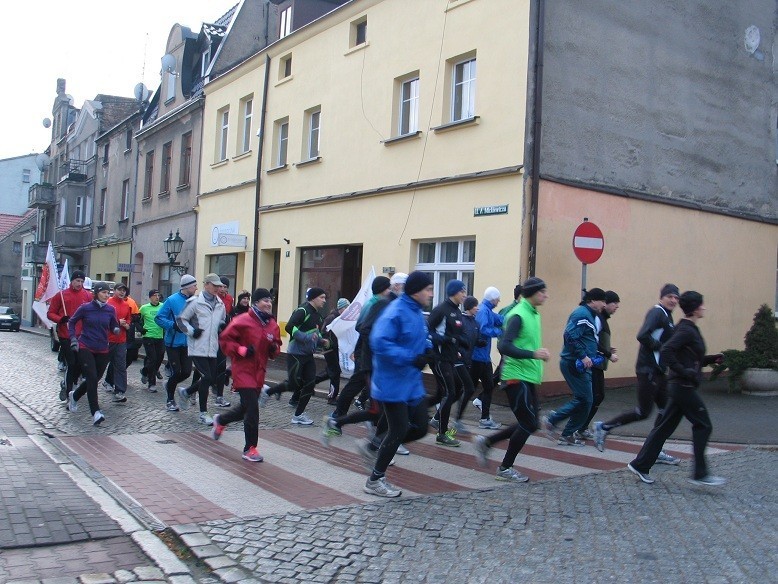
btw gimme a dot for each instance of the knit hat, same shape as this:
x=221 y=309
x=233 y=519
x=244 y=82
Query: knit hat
x=259 y=294
x=611 y=296
x=225 y=280
x=594 y=294
x=470 y=302
x=187 y=280
x=531 y=287
x=455 y=287
x=213 y=279
x=669 y=289
x=314 y=292
x=78 y=274
x=398 y=278
x=100 y=287
x=245 y=294
x=690 y=301
x=416 y=282
x=343 y=303
x=491 y=294
x=380 y=283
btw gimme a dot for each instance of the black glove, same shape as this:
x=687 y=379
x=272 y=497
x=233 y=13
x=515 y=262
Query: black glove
x=450 y=340
x=222 y=326
x=74 y=345
x=197 y=333
x=250 y=351
x=421 y=361
x=178 y=329
x=481 y=343
x=64 y=319
x=142 y=330
x=272 y=351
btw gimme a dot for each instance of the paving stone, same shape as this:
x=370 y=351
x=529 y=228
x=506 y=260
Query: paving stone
x=148 y=573
x=96 y=579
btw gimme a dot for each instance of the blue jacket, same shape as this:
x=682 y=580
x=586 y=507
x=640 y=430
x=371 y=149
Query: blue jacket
x=166 y=318
x=580 y=336
x=490 y=324
x=398 y=336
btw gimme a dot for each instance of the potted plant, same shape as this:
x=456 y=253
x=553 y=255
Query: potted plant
x=756 y=367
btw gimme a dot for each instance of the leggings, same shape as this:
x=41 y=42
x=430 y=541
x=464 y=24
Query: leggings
x=206 y=366
x=523 y=401
x=407 y=422
x=652 y=389
x=92 y=368
x=450 y=388
x=302 y=379
x=247 y=409
x=155 y=354
x=482 y=371
x=466 y=380
x=70 y=358
x=181 y=364
x=359 y=380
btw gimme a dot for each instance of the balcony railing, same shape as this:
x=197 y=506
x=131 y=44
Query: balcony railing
x=41 y=196
x=35 y=253
x=74 y=170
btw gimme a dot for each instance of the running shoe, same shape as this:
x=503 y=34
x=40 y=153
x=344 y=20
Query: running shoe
x=460 y=427
x=159 y=375
x=665 y=458
x=510 y=475
x=221 y=402
x=264 y=396
x=98 y=418
x=216 y=431
x=152 y=389
x=359 y=405
x=586 y=434
x=369 y=454
x=569 y=441
x=119 y=397
x=481 y=450
x=63 y=391
x=550 y=431
x=205 y=419
x=402 y=450
x=171 y=406
x=329 y=429
x=435 y=423
x=643 y=476
x=72 y=403
x=292 y=403
x=144 y=380
x=477 y=403
x=184 y=401
x=709 y=481
x=381 y=488
x=302 y=420
x=489 y=424
x=446 y=440
x=107 y=386
x=252 y=455
x=600 y=434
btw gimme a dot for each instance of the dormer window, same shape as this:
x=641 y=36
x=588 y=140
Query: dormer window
x=286 y=23
x=206 y=60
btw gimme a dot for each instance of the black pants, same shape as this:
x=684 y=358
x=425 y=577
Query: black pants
x=221 y=372
x=155 y=354
x=247 y=409
x=480 y=371
x=449 y=387
x=406 y=422
x=302 y=379
x=684 y=402
x=468 y=388
x=598 y=393
x=332 y=359
x=359 y=380
x=652 y=389
x=372 y=414
x=523 y=401
x=181 y=364
x=70 y=358
x=92 y=368
x=206 y=366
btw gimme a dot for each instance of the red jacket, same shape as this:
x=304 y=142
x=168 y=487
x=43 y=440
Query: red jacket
x=72 y=300
x=123 y=311
x=248 y=330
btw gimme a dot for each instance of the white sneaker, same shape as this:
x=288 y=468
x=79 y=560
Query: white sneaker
x=72 y=403
x=709 y=481
x=381 y=488
x=477 y=403
x=302 y=420
x=107 y=386
x=98 y=418
x=184 y=401
x=402 y=450
x=205 y=419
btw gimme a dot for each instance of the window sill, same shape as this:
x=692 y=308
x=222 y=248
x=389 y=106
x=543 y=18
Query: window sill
x=286 y=79
x=127 y=150
x=183 y=187
x=171 y=100
x=163 y=194
x=105 y=163
x=126 y=220
x=403 y=138
x=242 y=155
x=458 y=124
x=101 y=226
x=357 y=48
x=308 y=162
x=456 y=4
x=220 y=163
x=146 y=200
x=277 y=169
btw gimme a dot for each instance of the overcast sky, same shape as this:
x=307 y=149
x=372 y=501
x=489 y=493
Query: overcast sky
x=98 y=46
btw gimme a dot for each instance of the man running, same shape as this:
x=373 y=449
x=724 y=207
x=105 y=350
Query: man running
x=153 y=345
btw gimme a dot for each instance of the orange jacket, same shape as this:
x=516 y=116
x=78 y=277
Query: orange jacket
x=123 y=311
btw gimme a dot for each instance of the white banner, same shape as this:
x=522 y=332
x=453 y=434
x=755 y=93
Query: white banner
x=344 y=327
x=48 y=286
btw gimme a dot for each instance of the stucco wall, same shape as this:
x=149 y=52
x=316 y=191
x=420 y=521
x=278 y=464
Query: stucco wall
x=13 y=191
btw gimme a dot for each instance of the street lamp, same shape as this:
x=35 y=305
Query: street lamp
x=173 y=247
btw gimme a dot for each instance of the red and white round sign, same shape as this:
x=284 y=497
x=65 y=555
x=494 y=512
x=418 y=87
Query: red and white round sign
x=588 y=242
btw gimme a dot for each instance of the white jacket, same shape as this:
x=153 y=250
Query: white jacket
x=198 y=314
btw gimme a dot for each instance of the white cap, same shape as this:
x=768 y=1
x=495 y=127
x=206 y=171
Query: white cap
x=88 y=283
x=491 y=294
x=398 y=278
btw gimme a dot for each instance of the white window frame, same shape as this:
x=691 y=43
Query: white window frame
x=205 y=60
x=408 y=115
x=285 y=25
x=248 y=110
x=171 y=87
x=282 y=142
x=314 y=134
x=459 y=269
x=224 y=124
x=63 y=210
x=103 y=202
x=80 y=210
x=125 y=210
x=26 y=174
x=463 y=87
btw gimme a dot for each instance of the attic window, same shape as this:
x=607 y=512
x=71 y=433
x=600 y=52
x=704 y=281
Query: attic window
x=358 y=33
x=285 y=28
x=206 y=60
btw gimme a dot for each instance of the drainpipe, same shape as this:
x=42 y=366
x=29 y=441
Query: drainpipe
x=537 y=127
x=258 y=190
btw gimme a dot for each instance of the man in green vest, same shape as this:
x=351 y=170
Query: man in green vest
x=522 y=372
x=153 y=344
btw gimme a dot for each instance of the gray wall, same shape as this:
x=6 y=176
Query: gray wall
x=661 y=97
x=13 y=190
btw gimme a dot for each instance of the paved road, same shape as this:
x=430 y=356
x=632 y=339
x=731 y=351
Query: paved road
x=301 y=514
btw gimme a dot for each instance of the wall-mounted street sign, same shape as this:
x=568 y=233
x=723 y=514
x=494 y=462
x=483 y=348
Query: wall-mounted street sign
x=125 y=267
x=490 y=210
x=232 y=240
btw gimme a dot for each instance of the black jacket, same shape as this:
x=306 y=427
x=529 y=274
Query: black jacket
x=363 y=354
x=684 y=355
x=446 y=328
x=656 y=330
x=473 y=334
x=604 y=340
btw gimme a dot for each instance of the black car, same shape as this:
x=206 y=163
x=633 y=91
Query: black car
x=9 y=319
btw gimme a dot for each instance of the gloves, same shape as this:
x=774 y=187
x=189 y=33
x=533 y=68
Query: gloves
x=421 y=361
x=222 y=326
x=178 y=329
x=197 y=333
x=64 y=319
x=246 y=351
x=74 y=345
x=142 y=330
x=481 y=343
x=273 y=351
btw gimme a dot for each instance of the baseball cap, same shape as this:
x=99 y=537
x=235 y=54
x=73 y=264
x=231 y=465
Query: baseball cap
x=152 y=292
x=100 y=287
x=213 y=279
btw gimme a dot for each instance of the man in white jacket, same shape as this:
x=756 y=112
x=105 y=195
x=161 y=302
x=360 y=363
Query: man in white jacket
x=202 y=319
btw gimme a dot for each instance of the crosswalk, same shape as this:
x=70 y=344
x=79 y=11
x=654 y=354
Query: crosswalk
x=187 y=477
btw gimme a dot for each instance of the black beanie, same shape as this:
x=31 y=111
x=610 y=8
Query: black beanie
x=594 y=294
x=690 y=301
x=416 y=282
x=611 y=296
x=532 y=286
x=669 y=289
x=470 y=302
x=314 y=293
x=78 y=274
x=258 y=294
x=380 y=283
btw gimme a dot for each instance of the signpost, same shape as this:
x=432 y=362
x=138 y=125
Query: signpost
x=588 y=245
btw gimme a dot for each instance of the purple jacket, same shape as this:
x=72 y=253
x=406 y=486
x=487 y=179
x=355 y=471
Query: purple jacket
x=95 y=321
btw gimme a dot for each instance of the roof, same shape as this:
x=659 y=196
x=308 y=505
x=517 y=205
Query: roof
x=9 y=222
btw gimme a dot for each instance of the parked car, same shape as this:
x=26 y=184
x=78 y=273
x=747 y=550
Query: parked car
x=9 y=319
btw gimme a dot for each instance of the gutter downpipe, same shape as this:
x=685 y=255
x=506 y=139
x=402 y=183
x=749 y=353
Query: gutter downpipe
x=258 y=190
x=537 y=127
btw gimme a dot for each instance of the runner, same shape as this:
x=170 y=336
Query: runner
x=116 y=374
x=490 y=325
x=153 y=344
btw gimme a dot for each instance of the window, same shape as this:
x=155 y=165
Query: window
x=125 y=212
x=285 y=27
x=128 y=140
x=17 y=247
x=186 y=159
x=103 y=195
x=248 y=106
x=225 y=265
x=285 y=67
x=313 y=125
x=105 y=153
x=206 y=60
x=463 y=95
x=409 y=107
x=280 y=142
x=164 y=285
x=63 y=209
x=447 y=260
x=26 y=175
x=358 y=32
x=167 y=159
x=80 y=215
x=148 y=178
x=91 y=146
x=171 y=86
x=224 y=121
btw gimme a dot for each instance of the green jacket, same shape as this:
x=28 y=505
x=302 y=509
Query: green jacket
x=529 y=339
x=147 y=314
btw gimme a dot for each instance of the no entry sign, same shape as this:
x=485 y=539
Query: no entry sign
x=588 y=242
